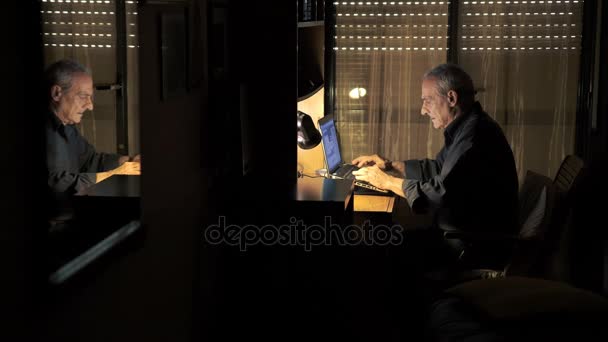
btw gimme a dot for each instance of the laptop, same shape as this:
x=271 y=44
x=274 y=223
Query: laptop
x=336 y=167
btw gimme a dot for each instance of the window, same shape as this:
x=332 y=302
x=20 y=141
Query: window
x=523 y=57
x=381 y=51
x=93 y=33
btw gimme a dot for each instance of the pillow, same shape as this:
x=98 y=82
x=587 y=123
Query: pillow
x=519 y=298
x=536 y=202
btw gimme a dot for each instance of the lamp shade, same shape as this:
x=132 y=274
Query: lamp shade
x=308 y=135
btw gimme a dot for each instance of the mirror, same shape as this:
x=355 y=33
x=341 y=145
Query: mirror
x=92 y=130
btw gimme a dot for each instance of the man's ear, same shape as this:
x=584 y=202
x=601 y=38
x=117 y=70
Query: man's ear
x=56 y=93
x=452 y=98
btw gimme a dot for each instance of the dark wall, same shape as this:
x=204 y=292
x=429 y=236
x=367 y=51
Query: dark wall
x=251 y=136
x=590 y=253
x=601 y=142
x=22 y=173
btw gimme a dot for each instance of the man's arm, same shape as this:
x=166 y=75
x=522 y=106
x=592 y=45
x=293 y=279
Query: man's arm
x=432 y=192
x=104 y=165
x=126 y=168
x=64 y=181
x=398 y=166
x=93 y=161
x=377 y=177
x=422 y=169
x=124 y=159
x=396 y=185
x=382 y=163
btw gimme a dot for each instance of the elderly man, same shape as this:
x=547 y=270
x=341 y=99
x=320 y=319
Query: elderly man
x=72 y=162
x=472 y=183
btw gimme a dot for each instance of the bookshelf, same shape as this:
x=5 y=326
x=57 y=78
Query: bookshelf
x=311 y=40
x=302 y=24
x=311 y=10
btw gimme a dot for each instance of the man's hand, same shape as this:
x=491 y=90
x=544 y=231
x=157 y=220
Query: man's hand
x=124 y=159
x=128 y=168
x=376 y=177
x=375 y=159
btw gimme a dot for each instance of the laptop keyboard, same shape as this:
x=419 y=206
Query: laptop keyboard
x=346 y=171
x=366 y=185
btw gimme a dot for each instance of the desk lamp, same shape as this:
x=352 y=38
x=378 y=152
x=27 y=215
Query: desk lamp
x=308 y=136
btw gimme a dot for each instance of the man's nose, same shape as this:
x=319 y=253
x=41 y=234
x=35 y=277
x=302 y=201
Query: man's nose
x=89 y=105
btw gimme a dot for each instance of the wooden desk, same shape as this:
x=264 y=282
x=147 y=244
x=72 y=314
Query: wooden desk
x=117 y=186
x=317 y=198
x=327 y=192
x=118 y=195
x=371 y=203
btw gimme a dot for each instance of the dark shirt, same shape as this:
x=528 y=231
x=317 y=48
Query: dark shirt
x=72 y=162
x=472 y=184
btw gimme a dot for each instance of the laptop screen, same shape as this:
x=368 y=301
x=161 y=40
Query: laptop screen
x=330 y=144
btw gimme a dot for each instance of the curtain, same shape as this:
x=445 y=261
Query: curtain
x=382 y=50
x=524 y=59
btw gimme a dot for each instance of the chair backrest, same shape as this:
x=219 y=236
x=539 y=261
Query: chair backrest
x=569 y=174
x=544 y=251
x=557 y=247
x=538 y=197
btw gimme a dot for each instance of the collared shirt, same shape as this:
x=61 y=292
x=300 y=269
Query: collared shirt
x=72 y=162
x=472 y=184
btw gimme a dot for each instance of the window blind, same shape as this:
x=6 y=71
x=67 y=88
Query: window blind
x=381 y=51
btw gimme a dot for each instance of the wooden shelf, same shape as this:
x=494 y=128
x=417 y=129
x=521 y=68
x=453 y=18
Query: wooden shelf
x=311 y=23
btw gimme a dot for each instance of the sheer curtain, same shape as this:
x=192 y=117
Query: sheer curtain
x=382 y=50
x=524 y=57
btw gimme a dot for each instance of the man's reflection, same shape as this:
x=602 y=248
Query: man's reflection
x=73 y=163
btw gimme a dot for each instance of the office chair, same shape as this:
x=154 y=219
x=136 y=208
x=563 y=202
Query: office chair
x=537 y=200
x=568 y=175
x=518 y=305
x=555 y=255
x=549 y=258
x=545 y=221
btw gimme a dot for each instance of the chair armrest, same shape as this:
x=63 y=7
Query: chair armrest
x=479 y=236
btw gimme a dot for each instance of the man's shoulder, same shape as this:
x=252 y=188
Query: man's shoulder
x=469 y=126
x=482 y=122
x=479 y=128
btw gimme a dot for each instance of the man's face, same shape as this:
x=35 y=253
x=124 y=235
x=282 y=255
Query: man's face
x=71 y=104
x=436 y=106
